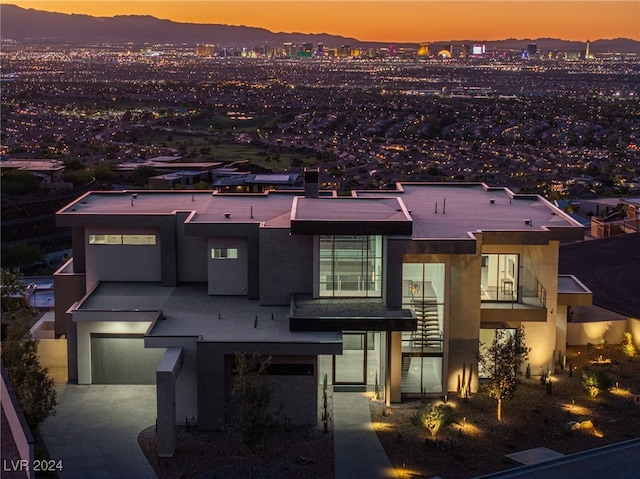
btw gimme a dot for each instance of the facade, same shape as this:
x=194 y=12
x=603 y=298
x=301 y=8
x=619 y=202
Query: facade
x=396 y=288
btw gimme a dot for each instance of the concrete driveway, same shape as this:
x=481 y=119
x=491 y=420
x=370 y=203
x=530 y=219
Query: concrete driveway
x=95 y=430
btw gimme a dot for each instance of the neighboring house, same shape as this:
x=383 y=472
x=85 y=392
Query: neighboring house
x=49 y=171
x=625 y=218
x=395 y=287
x=610 y=268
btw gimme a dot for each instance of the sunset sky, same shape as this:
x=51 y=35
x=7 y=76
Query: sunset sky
x=389 y=21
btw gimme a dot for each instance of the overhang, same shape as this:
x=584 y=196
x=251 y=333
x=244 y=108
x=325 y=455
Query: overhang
x=516 y=312
x=344 y=314
x=571 y=291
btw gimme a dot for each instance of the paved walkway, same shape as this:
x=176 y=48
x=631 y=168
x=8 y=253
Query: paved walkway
x=95 y=430
x=358 y=452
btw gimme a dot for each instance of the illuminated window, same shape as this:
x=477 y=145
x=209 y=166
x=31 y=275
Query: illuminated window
x=224 y=253
x=105 y=239
x=423 y=289
x=499 y=280
x=139 y=239
x=350 y=266
x=123 y=239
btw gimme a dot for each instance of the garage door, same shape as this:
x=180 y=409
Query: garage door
x=123 y=359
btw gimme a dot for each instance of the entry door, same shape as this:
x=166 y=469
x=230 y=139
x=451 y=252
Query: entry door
x=350 y=367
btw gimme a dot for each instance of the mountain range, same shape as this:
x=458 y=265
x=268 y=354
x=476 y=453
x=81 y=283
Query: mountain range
x=22 y=24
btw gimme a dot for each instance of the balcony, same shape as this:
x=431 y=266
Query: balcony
x=527 y=302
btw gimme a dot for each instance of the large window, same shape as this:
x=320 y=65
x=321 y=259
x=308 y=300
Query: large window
x=423 y=293
x=350 y=266
x=499 y=280
x=123 y=239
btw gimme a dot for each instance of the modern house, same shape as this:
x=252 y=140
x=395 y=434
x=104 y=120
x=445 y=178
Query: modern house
x=396 y=287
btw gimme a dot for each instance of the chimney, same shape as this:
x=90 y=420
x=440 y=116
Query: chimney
x=311 y=186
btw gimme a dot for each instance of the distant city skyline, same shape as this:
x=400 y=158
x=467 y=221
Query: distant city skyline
x=388 y=21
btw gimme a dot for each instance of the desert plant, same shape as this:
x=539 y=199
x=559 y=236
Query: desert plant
x=627 y=346
x=464 y=387
x=434 y=417
x=503 y=359
x=376 y=389
x=252 y=392
x=596 y=381
x=325 y=407
x=527 y=373
x=544 y=376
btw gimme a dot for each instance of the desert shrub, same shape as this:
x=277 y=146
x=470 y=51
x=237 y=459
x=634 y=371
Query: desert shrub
x=596 y=381
x=433 y=417
x=627 y=346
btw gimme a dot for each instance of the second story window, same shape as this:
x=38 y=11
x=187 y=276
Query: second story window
x=499 y=279
x=350 y=266
x=224 y=253
x=122 y=239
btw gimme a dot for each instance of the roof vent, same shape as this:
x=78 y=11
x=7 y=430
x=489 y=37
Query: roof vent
x=227 y=215
x=528 y=222
x=493 y=202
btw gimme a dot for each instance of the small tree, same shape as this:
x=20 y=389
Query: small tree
x=33 y=386
x=252 y=392
x=434 y=417
x=503 y=360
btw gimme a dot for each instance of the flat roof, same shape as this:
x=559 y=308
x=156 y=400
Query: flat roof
x=569 y=284
x=33 y=165
x=208 y=206
x=189 y=311
x=420 y=210
x=441 y=210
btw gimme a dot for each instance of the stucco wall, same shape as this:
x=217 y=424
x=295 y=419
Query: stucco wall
x=286 y=265
x=464 y=318
x=298 y=395
x=69 y=287
x=633 y=326
x=228 y=276
x=123 y=262
x=52 y=353
x=186 y=389
x=592 y=324
x=544 y=339
x=191 y=254
x=594 y=332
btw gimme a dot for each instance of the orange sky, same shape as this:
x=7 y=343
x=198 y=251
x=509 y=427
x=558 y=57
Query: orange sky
x=387 y=20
